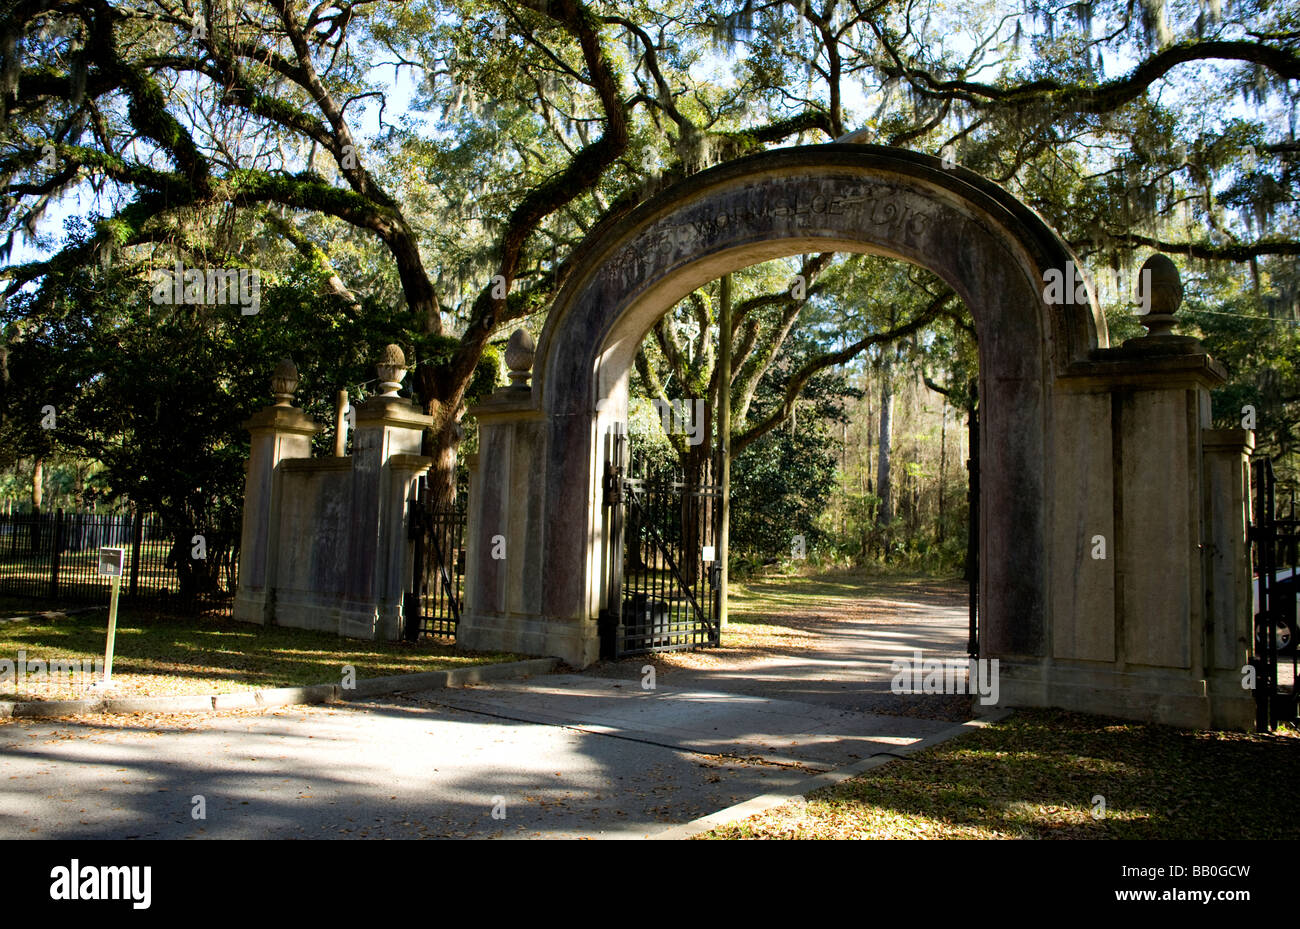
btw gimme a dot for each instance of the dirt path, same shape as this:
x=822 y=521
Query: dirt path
x=826 y=639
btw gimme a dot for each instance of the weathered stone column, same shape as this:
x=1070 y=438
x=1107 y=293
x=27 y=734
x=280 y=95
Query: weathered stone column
x=504 y=558
x=279 y=432
x=1134 y=632
x=386 y=461
x=1231 y=594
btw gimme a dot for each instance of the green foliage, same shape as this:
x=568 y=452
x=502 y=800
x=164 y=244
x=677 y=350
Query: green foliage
x=779 y=486
x=157 y=394
x=1255 y=333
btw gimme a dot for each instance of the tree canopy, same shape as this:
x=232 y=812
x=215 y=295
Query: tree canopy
x=434 y=164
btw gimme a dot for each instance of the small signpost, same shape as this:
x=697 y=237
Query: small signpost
x=111 y=561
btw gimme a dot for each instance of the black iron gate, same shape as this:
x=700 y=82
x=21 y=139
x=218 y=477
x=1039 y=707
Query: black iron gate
x=1275 y=541
x=432 y=607
x=662 y=573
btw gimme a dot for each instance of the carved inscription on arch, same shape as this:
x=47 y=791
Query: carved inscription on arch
x=890 y=213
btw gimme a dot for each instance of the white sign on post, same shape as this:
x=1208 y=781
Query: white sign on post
x=709 y=553
x=111 y=561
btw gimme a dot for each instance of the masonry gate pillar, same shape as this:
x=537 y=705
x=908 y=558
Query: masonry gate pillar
x=324 y=541
x=279 y=432
x=386 y=461
x=1152 y=611
x=507 y=499
x=1230 y=593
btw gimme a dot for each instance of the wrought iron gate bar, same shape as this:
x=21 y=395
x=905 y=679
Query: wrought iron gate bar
x=1275 y=541
x=656 y=597
x=632 y=498
x=433 y=606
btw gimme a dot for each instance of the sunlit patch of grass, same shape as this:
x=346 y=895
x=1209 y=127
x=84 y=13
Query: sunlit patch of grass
x=1048 y=774
x=157 y=655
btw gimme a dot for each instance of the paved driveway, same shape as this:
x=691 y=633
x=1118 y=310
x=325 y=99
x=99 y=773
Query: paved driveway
x=591 y=754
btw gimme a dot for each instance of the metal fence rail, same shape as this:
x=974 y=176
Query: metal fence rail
x=53 y=557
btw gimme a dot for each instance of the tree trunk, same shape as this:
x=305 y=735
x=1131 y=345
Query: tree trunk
x=695 y=468
x=442 y=474
x=869 y=486
x=943 y=462
x=442 y=444
x=915 y=481
x=38 y=481
x=884 y=488
x=844 y=474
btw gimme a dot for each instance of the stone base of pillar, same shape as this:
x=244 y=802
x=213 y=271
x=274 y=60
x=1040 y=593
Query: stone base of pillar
x=252 y=606
x=1149 y=695
x=328 y=613
x=575 y=643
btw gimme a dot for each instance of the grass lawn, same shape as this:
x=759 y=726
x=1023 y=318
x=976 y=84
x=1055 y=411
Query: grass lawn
x=159 y=655
x=779 y=594
x=1034 y=776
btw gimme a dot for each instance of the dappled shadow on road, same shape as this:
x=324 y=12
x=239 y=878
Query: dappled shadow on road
x=395 y=769
x=826 y=639
x=411 y=767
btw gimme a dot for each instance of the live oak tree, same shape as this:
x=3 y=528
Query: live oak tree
x=1111 y=161
x=154 y=394
x=176 y=113
x=446 y=158
x=838 y=306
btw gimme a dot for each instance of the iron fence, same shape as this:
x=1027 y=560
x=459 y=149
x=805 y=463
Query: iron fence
x=670 y=572
x=53 y=557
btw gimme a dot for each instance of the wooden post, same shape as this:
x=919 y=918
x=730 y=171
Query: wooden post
x=137 y=538
x=112 y=631
x=724 y=444
x=341 y=424
x=57 y=544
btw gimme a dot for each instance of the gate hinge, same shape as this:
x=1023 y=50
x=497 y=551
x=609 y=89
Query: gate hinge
x=613 y=485
x=415 y=522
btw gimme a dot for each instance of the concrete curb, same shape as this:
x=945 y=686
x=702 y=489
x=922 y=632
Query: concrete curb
x=283 y=696
x=798 y=791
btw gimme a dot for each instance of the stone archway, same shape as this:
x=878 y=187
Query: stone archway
x=1053 y=474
